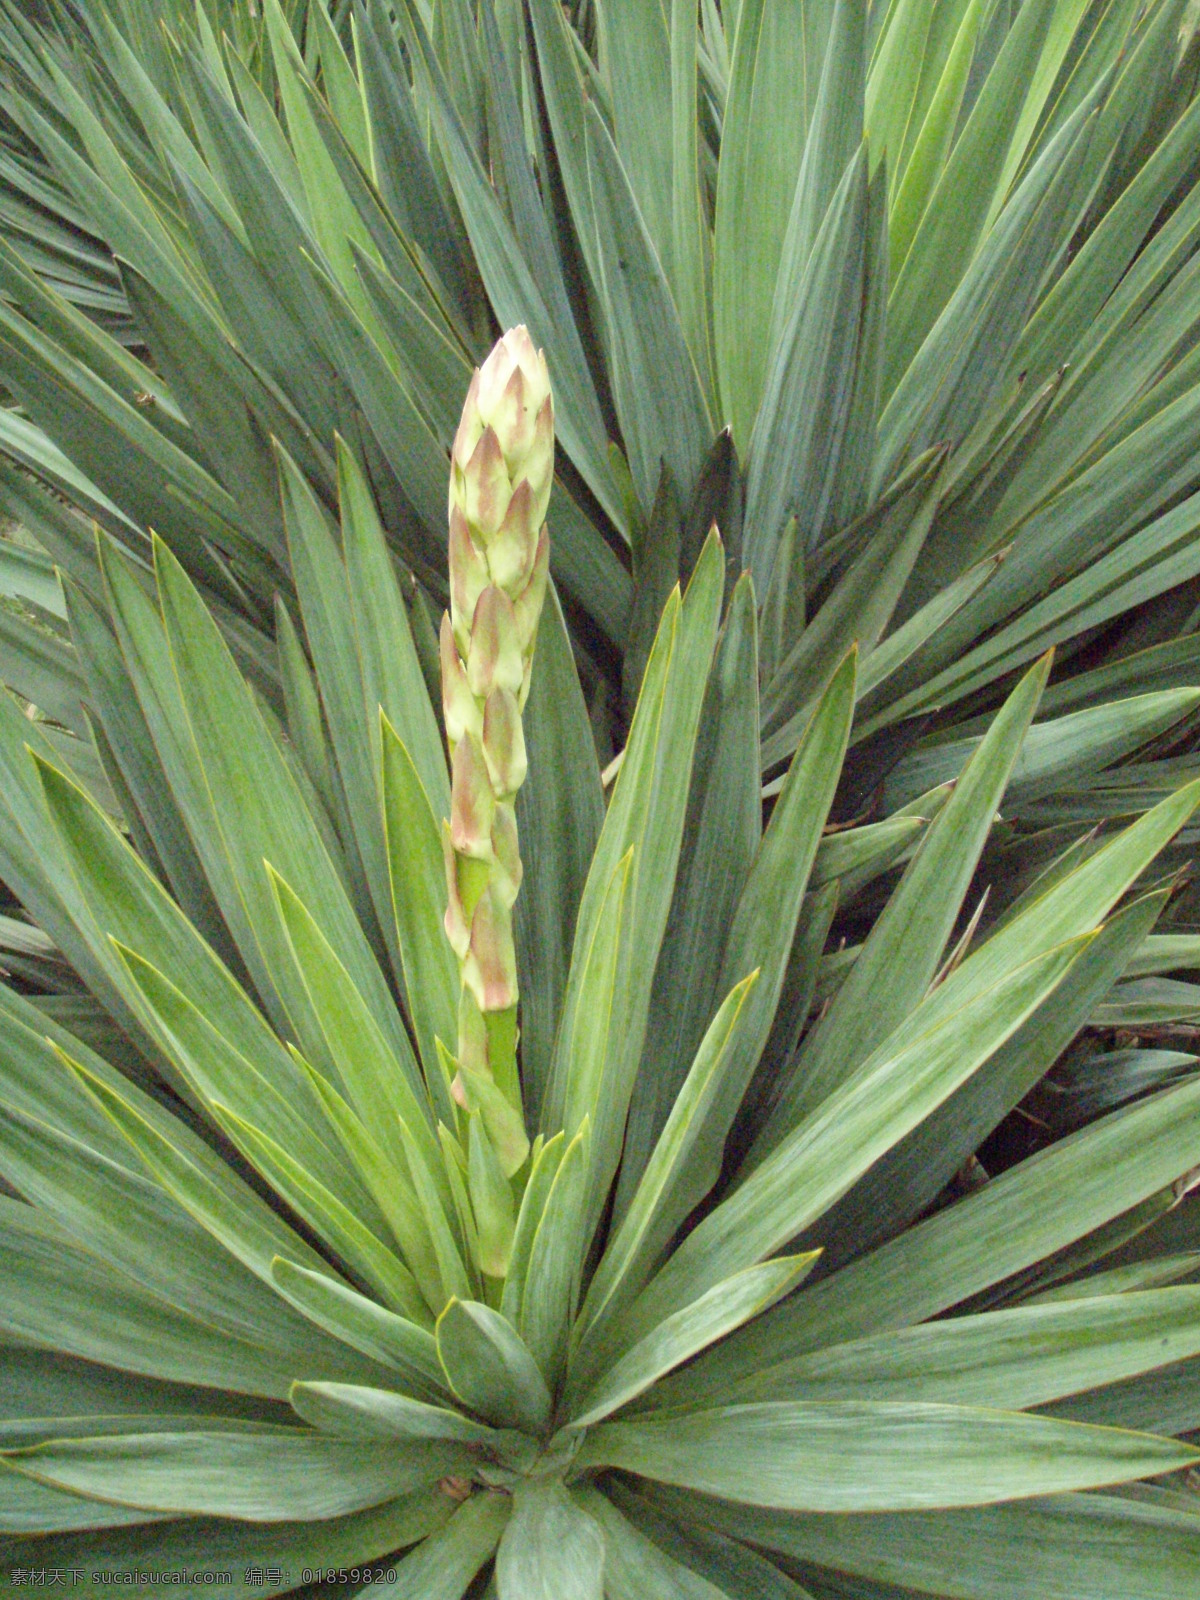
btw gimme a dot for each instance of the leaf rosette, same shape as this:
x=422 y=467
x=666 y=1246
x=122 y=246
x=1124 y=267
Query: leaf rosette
x=532 y=1104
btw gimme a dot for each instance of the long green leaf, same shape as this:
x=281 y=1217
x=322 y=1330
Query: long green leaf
x=1107 y=1547
x=877 y=1455
x=556 y=1259
x=1011 y=1224
x=259 y=1475
x=955 y=216
x=418 y=887
x=244 y=1549
x=761 y=936
x=663 y=413
x=649 y=803
x=650 y=1219
x=778 y=49
x=516 y=297
x=1012 y=1359
x=551 y=1548
x=721 y=834
x=683 y=1335
x=910 y=1176
x=635 y=1568
x=443 y=1566
x=560 y=811
x=65 y=1298
x=377 y=1083
x=794 y=448
x=353 y=1411
x=490 y=1368
x=391 y=1340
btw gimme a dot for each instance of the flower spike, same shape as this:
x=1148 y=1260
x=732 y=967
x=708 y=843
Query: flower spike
x=501 y=471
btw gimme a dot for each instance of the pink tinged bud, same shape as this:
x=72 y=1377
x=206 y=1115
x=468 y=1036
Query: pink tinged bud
x=486 y=488
x=455 y=923
x=514 y=350
x=511 y=554
x=504 y=742
x=539 y=462
x=494 y=657
x=460 y=708
x=494 y=375
x=458 y=490
x=532 y=363
x=472 y=804
x=469 y=428
x=490 y=969
x=527 y=607
x=507 y=870
x=468 y=578
x=514 y=421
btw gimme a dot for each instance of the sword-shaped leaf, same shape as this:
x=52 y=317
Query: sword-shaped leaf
x=876 y=1455
x=917 y=920
x=443 y=1566
x=722 y=832
x=551 y=1548
x=259 y=1474
x=490 y=1368
x=1117 y=1548
x=656 y=390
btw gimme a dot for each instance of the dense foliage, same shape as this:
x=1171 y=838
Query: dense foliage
x=673 y=1086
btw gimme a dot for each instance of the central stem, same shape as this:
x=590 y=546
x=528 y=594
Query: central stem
x=501 y=472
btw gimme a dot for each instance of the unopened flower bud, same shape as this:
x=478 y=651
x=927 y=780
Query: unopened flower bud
x=527 y=608
x=514 y=385
x=494 y=654
x=510 y=556
x=469 y=577
x=460 y=708
x=486 y=488
x=490 y=969
x=457 y=930
x=503 y=742
x=507 y=870
x=501 y=475
x=472 y=800
x=505 y=438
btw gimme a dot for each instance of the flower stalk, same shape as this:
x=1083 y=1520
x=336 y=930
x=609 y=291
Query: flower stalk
x=501 y=470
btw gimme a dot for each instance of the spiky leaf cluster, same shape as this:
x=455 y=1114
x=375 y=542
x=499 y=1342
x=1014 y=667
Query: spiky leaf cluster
x=712 y=1268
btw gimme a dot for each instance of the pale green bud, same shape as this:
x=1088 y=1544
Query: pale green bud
x=469 y=577
x=501 y=473
x=503 y=741
x=490 y=967
x=460 y=709
x=494 y=653
x=510 y=394
x=472 y=800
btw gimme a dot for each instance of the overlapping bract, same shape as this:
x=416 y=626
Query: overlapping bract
x=501 y=465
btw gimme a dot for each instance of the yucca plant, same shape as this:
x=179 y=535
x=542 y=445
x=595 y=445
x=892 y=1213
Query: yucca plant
x=532 y=1108
x=289 y=1287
